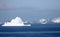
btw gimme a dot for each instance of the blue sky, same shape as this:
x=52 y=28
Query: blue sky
x=29 y=9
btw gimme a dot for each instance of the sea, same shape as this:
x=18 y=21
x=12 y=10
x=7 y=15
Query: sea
x=36 y=30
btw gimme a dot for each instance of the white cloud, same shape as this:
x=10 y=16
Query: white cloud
x=56 y=20
x=15 y=22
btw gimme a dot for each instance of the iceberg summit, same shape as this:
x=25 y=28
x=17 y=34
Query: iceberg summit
x=15 y=22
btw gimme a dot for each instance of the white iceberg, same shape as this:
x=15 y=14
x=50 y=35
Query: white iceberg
x=43 y=21
x=56 y=20
x=15 y=22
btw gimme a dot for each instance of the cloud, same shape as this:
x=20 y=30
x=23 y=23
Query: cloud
x=56 y=20
x=15 y=22
x=7 y=6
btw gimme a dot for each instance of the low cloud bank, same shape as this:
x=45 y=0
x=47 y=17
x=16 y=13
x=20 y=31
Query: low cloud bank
x=7 y=6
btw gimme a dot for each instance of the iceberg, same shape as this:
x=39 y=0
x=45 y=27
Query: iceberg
x=56 y=20
x=43 y=21
x=15 y=22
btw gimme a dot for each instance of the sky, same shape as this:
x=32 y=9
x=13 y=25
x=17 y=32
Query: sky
x=30 y=10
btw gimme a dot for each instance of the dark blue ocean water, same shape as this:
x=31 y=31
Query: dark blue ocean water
x=36 y=30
